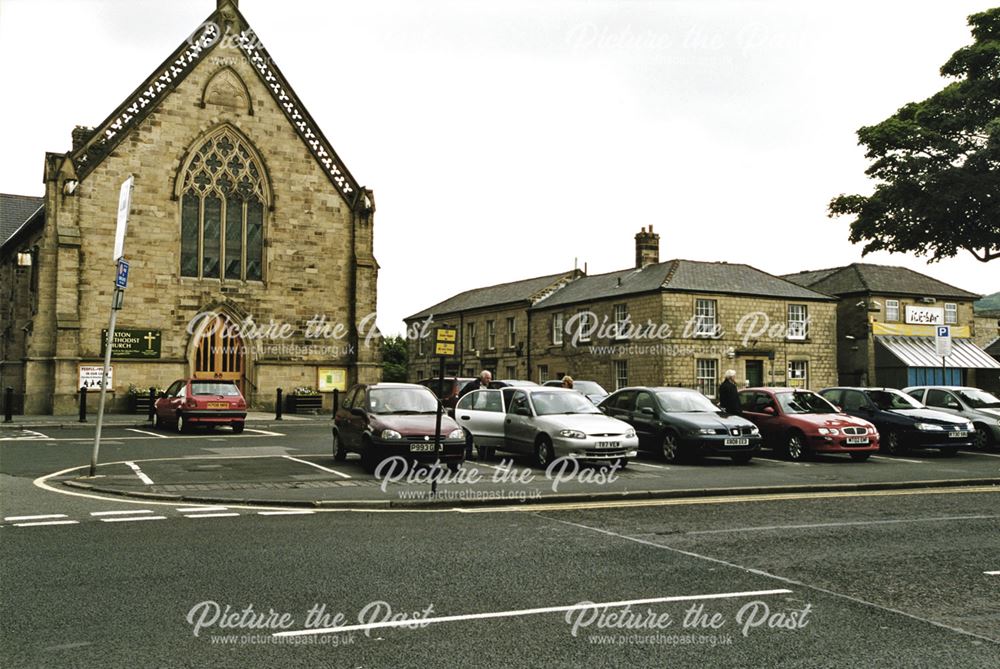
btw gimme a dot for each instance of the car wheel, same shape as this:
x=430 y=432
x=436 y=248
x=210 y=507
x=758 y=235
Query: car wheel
x=669 y=450
x=339 y=454
x=795 y=447
x=238 y=428
x=893 y=444
x=981 y=440
x=741 y=458
x=543 y=453
x=860 y=457
x=181 y=423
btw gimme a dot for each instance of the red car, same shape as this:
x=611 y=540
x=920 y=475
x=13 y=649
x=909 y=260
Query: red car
x=798 y=423
x=190 y=402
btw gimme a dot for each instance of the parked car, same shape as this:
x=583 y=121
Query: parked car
x=903 y=422
x=592 y=389
x=547 y=423
x=979 y=406
x=511 y=383
x=678 y=422
x=798 y=423
x=190 y=402
x=448 y=390
x=386 y=419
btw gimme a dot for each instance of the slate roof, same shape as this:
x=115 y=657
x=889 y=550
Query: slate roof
x=865 y=278
x=491 y=296
x=988 y=306
x=682 y=276
x=14 y=211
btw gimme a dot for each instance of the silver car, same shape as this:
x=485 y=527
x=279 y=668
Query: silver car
x=980 y=407
x=547 y=423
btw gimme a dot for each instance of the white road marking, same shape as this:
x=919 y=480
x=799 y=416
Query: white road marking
x=646 y=464
x=34 y=436
x=845 y=524
x=48 y=522
x=131 y=520
x=992 y=573
x=530 y=612
x=44 y=517
x=989 y=455
x=782 y=462
x=197 y=509
x=290 y=512
x=126 y=512
x=896 y=459
x=211 y=515
x=313 y=464
x=152 y=434
x=264 y=432
x=765 y=574
x=138 y=472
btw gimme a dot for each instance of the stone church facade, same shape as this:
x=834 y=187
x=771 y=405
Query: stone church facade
x=246 y=230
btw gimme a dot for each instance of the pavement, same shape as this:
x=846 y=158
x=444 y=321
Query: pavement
x=287 y=463
x=259 y=418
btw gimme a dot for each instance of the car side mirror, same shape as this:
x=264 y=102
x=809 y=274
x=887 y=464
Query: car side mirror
x=522 y=411
x=647 y=411
x=770 y=411
x=355 y=411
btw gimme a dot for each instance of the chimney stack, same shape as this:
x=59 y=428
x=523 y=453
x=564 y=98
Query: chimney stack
x=647 y=248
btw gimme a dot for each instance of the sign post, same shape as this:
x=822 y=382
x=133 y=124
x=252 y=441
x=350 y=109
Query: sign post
x=942 y=346
x=444 y=346
x=117 y=301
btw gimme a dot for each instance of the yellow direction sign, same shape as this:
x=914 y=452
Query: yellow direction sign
x=443 y=348
x=446 y=334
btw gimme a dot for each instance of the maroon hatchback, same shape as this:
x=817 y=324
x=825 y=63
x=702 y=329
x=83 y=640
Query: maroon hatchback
x=190 y=402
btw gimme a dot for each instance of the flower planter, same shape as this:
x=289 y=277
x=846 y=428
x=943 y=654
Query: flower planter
x=304 y=403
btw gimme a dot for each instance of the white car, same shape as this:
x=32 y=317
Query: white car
x=547 y=423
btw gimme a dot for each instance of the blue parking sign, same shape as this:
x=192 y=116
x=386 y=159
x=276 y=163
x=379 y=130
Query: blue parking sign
x=943 y=331
x=121 y=279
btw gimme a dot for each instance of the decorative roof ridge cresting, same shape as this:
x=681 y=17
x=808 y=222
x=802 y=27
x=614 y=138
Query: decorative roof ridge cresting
x=297 y=115
x=142 y=101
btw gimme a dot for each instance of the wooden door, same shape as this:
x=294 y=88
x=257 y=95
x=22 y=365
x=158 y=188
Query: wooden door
x=220 y=354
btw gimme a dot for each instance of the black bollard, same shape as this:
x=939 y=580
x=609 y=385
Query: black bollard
x=152 y=401
x=277 y=406
x=83 y=404
x=8 y=405
x=336 y=403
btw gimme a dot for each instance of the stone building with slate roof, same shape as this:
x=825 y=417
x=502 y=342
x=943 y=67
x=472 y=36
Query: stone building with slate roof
x=886 y=318
x=241 y=210
x=677 y=323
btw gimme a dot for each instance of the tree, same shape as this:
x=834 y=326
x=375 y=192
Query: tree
x=395 y=358
x=936 y=163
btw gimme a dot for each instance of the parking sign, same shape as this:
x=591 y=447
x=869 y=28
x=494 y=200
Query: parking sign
x=942 y=341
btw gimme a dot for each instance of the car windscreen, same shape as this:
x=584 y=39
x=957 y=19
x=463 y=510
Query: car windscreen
x=677 y=402
x=804 y=402
x=886 y=400
x=979 y=399
x=214 y=388
x=557 y=402
x=401 y=400
x=589 y=388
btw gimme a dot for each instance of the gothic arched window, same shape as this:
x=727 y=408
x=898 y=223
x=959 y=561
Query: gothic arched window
x=223 y=195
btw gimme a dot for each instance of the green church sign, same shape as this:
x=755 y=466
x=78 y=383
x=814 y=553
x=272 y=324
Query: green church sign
x=133 y=343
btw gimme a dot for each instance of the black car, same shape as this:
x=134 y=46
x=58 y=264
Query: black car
x=383 y=420
x=902 y=422
x=678 y=422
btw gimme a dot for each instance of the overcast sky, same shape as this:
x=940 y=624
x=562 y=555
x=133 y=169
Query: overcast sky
x=506 y=140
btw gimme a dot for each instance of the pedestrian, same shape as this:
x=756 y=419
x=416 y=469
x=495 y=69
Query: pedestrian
x=729 y=394
x=567 y=382
x=479 y=383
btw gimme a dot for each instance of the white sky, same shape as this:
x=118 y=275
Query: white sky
x=506 y=139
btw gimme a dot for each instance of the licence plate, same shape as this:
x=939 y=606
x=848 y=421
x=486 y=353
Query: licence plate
x=958 y=435
x=421 y=448
x=218 y=405
x=857 y=440
x=737 y=442
x=608 y=444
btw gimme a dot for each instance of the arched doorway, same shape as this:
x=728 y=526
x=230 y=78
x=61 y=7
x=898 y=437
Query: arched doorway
x=220 y=353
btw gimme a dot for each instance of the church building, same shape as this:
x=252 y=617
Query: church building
x=249 y=242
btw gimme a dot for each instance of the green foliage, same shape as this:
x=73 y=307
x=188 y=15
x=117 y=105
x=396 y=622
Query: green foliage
x=395 y=358
x=936 y=163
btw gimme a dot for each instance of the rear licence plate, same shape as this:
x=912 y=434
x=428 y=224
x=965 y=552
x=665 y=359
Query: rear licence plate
x=737 y=442
x=959 y=435
x=608 y=444
x=421 y=448
x=218 y=405
x=857 y=440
